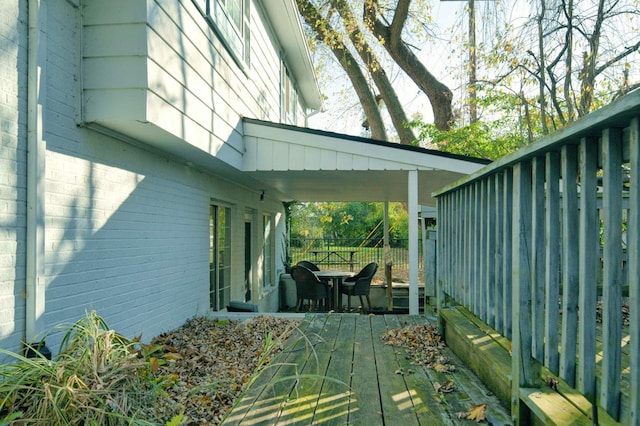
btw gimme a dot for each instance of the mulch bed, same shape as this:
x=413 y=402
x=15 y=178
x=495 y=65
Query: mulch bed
x=208 y=363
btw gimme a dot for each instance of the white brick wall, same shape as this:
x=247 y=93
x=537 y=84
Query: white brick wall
x=126 y=229
x=13 y=65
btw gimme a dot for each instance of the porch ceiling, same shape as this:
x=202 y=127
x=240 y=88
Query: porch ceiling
x=353 y=185
x=304 y=164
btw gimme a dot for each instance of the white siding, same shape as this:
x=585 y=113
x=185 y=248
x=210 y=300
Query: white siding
x=126 y=225
x=13 y=67
x=176 y=75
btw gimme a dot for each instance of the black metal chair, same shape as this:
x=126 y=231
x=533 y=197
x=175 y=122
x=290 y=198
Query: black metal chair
x=309 y=265
x=359 y=285
x=309 y=287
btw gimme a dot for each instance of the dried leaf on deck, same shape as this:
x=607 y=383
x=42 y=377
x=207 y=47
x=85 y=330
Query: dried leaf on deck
x=477 y=412
x=442 y=368
x=552 y=382
x=446 y=387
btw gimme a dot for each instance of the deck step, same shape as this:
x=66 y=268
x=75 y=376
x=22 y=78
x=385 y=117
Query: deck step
x=551 y=408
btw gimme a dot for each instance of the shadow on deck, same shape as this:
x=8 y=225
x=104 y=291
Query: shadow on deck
x=338 y=370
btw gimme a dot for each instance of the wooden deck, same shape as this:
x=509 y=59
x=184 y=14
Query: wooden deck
x=338 y=371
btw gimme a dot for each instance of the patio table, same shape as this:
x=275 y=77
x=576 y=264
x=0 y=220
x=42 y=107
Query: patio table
x=336 y=277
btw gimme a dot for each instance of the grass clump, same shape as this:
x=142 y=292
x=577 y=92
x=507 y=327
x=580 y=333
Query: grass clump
x=98 y=378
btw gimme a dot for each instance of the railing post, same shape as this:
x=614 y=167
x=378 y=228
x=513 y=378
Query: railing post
x=523 y=373
x=633 y=235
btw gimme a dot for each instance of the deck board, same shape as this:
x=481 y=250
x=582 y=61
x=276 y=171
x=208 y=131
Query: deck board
x=366 y=408
x=342 y=373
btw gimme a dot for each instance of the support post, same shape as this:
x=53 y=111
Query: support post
x=414 y=305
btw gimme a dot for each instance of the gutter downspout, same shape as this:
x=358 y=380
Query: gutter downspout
x=36 y=151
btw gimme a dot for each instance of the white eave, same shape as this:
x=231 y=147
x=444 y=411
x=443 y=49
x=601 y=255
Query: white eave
x=285 y=19
x=302 y=164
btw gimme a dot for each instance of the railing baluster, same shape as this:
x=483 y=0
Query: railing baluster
x=569 y=170
x=612 y=280
x=507 y=258
x=491 y=250
x=499 y=235
x=449 y=287
x=468 y=248
x=538 y=257
x=463 y=250
x=589 y=249
x=477 y=249
x=522 y=370
x=484 y=208
x=552 y=259
x=633 y=251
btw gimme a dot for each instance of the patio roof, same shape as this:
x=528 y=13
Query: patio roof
x=305 y=164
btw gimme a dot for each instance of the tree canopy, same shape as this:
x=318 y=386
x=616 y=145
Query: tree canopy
x=367 y=37
x=537 y=65
x=355 y=220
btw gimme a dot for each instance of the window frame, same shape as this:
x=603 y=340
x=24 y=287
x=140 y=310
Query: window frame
x=220 y=266
x=288 y=97
x=235 y=38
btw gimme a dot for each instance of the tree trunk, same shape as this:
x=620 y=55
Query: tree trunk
x=389 y=96
x=326 y=34
x=568 y=97
x=588 y=74
x=541 y=62
x=438 y=93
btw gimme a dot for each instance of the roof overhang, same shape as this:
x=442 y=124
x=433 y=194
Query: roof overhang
x=311 y=165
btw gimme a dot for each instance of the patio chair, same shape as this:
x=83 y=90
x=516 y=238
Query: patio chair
x=309 y=265
x=359 y=285
x=313 y=267
x=309 y=287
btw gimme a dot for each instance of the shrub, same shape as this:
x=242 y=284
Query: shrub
x=99 y=378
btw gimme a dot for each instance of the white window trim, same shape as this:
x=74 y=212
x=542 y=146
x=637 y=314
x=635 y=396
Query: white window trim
x=235 y=40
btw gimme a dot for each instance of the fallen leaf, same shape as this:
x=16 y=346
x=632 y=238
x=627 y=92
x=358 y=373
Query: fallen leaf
x=154 y=364
x=446 y=387
x=171 y=356
x=476 y=412
x=442 y=368
x=552 y=382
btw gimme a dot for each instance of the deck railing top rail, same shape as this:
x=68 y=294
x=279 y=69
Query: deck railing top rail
x=616 y=114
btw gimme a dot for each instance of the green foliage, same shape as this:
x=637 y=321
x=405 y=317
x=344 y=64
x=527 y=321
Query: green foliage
x=476 y=140
x=99 y=378
x=346 y=220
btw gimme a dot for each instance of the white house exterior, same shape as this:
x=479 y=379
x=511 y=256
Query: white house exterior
x=131 y=175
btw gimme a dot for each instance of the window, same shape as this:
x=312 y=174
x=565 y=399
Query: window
x=219 y=256
x=230 y=20
x=288 y=97
x=267 y=264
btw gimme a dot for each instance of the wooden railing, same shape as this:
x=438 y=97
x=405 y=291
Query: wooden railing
x=525 y=243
